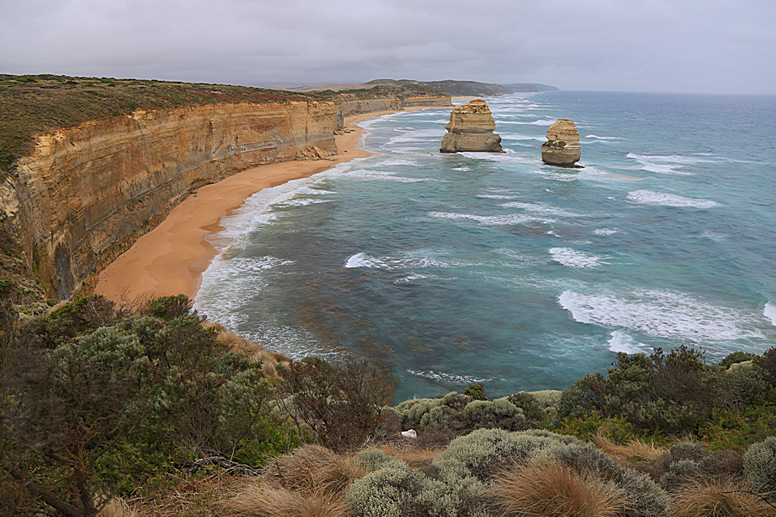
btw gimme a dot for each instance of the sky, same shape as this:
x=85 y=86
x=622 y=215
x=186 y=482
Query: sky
x=700 y=46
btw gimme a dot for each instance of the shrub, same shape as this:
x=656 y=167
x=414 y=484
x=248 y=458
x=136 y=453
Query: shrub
x=484 y=452
x=548 y=488
x=413 y=411
x=341 y=404
x=533 y=411
x=748 y=384
x=476 y=391
x=393 y=492
x=499 y=413
x=375 y=459
x=736 y=357
x=718 y=498
x=760 y=465
x=171 y=307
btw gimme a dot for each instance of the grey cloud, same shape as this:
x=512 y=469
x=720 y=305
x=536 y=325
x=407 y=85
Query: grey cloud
x=651 y=45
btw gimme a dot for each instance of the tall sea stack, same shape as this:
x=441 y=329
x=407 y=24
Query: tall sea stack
x=562 y=145
x=471 y=129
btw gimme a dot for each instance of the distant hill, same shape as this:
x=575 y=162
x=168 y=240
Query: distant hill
x=531 y=87
x=455 y=88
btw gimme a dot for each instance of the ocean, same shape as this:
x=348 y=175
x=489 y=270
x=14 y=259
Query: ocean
x=496 y=268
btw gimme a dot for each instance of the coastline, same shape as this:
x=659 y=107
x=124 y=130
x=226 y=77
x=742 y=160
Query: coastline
x=171 y=258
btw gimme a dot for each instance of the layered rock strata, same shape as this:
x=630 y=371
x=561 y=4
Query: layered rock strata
x=86 y=193
x=562 y=145
x=471 y=128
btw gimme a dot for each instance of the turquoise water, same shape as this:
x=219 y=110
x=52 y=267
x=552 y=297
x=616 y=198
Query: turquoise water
x=499 y=269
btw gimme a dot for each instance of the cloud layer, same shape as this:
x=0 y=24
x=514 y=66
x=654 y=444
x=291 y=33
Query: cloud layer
x=642 y=45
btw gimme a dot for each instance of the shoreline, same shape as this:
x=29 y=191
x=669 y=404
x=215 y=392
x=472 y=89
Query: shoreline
x=170 y=259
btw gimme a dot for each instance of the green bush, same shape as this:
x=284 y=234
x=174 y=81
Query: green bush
x=476 y=391
x=394 y=492
x=760 y=465
x=375 y=459
x=736 y=357
x=499 y=413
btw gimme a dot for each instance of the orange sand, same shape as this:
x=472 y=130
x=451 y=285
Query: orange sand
x=170 y=258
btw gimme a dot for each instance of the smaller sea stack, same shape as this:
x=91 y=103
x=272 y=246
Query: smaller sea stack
x=562 y=145
x=471 y=129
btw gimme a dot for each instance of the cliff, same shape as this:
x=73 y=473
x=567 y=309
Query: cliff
x=83 y=194
x=471 y=128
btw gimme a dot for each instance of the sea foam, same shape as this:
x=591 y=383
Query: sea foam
x=649 y=197
x=770 y=312
x=620 y=341
x=665 y=314
x=577 y=259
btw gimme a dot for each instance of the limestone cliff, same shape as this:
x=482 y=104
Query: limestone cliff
x=87 y=192
x=562 y=145
x=471 y=129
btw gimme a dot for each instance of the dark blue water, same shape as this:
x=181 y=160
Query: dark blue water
x=497 y=268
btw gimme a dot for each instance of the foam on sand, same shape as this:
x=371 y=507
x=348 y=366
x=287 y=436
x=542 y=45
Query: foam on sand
x=649 y=197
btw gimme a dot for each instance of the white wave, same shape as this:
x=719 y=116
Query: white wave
x=577 y=259
x=542 y=209
x=462 y=169
x=660 y=313
x=770 y=312
x=256 y=210
x=417 y=136
x=522 y=138
x=542 y=122
x=604 y=138
x=496 y=196
x=301 y=201
x=623 y=342
x=666 y=164
x=447 y=377
x=386 y=176
x=419 y=259
x=604 y=231
x=490 y=220
x=649 y=197
x=398 y=162
x=714 y=236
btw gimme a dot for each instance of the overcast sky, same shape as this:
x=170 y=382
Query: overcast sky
x=724 y=46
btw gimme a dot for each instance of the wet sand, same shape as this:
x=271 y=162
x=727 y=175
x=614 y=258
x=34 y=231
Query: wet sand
x=171 y=258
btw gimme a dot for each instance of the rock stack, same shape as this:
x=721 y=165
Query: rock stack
x=471 y=129
x=562 y=145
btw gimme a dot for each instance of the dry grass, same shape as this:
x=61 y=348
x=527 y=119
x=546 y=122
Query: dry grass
x=281 y=502
x=117 y=508
x=250 y=350
x=313 y=468
x=631 y=451
x=191 y=497
x=718 y=498
x=411 y=455
x=549 y=489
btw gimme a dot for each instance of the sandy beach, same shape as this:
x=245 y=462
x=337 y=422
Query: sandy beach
x=171 y=258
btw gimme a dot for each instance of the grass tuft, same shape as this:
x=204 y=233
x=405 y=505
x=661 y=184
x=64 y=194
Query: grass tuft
x=313 y=468
x=631 y=451
x=549 y=489
x=718 y=498
x=265 y=501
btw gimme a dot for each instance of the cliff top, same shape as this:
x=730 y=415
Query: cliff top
x=32 y=104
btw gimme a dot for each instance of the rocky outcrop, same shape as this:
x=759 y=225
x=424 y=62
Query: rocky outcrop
x=471 y=128
x=562 y=145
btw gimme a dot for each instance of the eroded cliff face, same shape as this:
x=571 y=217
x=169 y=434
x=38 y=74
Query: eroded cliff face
x=562 y=145
x=88 y=192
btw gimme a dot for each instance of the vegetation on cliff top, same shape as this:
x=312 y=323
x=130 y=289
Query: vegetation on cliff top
x=152 y=402
x=32 y=104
